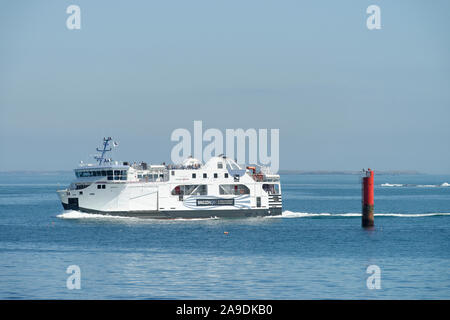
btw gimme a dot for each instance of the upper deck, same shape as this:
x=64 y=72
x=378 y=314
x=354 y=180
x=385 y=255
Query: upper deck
x=114 y=171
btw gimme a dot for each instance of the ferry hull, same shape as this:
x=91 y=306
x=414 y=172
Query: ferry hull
x=186 y=214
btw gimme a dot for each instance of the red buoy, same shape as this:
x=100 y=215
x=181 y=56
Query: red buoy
x=367 y=199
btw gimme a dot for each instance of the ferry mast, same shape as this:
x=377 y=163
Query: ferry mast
x=101 y=159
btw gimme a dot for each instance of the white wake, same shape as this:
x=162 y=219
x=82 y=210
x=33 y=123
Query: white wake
x=445 y=184
x=392 y=185
x=291 y=214
x=73 y=214
x=77 y=215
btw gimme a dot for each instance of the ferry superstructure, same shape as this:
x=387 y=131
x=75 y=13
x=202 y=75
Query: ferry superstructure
x=218 y=188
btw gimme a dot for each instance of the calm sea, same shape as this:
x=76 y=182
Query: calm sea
x=315 y=250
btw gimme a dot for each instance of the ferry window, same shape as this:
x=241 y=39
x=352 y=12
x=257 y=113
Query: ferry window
x=271 y=188
x=81 y=192
x=110 y=177
x=123 y=175
x=176 y=190
x=103 y=186
x=116 y=172
x=202 y=190
x=226 y=175
x=173 y=172
x=235 y=189
x=215 y=175
x=219 y=165
x=99 y=186
x=194 y=176
x=188 y=189
x=205 y=175
x=110 y=172
x=193 y=189
x=104 y=173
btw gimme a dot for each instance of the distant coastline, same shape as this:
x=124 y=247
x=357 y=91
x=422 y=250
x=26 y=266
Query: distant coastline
x=41 y=172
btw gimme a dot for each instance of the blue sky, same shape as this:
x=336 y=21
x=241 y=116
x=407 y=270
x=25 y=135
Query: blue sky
x=342 y=96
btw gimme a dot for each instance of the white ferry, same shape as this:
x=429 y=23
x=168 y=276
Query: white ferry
x=218 y=188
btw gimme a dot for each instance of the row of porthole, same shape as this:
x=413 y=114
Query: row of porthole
x=205 y=175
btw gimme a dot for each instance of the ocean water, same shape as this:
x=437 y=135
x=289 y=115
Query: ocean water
x=315 y=250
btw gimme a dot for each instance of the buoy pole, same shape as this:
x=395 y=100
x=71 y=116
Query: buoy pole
x=367 y=200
